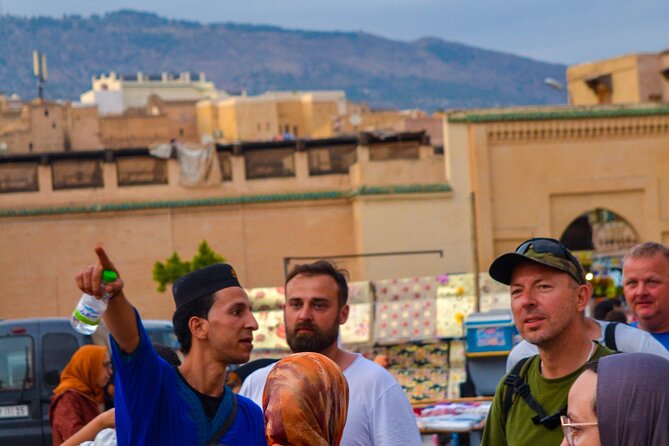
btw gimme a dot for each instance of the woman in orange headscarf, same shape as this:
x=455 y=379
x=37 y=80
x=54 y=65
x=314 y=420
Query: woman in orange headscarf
x=305 y=401
x=79 y=396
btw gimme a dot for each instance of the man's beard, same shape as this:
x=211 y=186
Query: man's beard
x=315 y=341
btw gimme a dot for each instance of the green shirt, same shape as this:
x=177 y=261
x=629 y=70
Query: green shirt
x=519 y=430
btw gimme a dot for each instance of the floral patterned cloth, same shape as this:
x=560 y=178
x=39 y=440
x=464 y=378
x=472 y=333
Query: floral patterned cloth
x=305 y=401
x=405 y=309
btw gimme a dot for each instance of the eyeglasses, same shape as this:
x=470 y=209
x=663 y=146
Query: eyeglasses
x=107 y=365
x=546 y=245
x=569 y=428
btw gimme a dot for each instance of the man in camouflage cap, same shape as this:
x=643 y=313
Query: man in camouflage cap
x=549 y=295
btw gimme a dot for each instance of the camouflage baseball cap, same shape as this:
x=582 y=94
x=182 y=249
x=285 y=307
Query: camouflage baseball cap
x=545 y=251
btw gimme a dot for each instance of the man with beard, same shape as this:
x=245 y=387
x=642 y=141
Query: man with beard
x=549 y=295
x=316 y=305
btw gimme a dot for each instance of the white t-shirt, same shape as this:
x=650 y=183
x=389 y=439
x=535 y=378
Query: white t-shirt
x=628 y=339
x=379 y=412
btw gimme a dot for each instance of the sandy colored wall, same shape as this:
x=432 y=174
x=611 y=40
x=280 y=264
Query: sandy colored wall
x=534 y=178
x=134 y=131
x=43 y=251
x=84 y=126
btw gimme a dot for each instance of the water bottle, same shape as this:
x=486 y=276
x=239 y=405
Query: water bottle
x=86 y=316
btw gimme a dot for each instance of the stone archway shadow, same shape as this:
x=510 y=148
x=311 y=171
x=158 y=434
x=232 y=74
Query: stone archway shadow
x=600 y=230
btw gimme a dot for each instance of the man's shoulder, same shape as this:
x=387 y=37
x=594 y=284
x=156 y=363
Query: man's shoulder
x=253 y=385
x=520 y=351
x=369 y=377
x=260 y=375
x=633 y=339
x=362 y=367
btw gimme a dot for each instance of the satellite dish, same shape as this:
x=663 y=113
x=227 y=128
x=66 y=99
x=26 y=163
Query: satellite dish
x=355 y=119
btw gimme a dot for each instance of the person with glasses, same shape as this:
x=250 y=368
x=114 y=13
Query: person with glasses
x=549 y=295
x=620 y=400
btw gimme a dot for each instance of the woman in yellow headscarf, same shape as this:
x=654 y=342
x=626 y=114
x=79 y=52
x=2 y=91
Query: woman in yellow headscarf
x=79 y=396
x=305 y=401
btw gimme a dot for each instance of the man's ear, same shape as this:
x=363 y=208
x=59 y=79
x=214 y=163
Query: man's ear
x=199 y=327
x=343 y=314
x=584 y=296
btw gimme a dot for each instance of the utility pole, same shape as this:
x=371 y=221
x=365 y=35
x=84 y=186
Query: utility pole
x=40 y=72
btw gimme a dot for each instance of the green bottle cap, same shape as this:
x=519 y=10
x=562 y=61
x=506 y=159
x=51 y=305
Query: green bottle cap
x=109 y=276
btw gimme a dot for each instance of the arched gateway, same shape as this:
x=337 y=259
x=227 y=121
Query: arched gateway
x=600 y=238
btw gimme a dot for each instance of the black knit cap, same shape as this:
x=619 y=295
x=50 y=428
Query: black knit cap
x=202 y=282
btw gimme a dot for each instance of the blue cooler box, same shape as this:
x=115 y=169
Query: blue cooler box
x=490 y=332
x=490 y=336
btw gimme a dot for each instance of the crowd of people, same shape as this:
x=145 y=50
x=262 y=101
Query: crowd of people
x=564 y=374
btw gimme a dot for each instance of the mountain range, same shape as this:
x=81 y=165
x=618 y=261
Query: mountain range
x=428 y=73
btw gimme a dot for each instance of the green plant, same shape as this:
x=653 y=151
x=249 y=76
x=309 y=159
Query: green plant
x=173 y=268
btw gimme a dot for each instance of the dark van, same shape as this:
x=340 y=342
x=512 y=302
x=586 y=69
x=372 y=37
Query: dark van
x=33 y=353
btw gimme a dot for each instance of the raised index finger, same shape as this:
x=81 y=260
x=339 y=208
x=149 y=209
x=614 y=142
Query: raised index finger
x=104 y=259
x=103 y=263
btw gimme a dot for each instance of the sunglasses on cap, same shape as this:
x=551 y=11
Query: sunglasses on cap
x=545 y=245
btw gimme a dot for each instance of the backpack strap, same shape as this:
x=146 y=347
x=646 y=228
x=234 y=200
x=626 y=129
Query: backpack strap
x=515 y=384
x=509 y=380
x=610 y=336
x=226 y=426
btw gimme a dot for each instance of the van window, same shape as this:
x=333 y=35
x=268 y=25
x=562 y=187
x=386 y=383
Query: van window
x=167 y=338
x=57 y=350
x=16 y=363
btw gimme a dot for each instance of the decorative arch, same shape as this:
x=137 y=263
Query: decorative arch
x=601 y=231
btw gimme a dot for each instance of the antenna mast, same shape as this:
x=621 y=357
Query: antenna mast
x=40 y=72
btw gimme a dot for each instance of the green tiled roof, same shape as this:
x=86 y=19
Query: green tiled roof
x=221 y=201
x=536 y=114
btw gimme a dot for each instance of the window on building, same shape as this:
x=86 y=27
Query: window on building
x=141 y=170
x=394 y=151
x=18 y=177
x=602 y=86
x=76 y=174
x=329 y=160
x=269 y=163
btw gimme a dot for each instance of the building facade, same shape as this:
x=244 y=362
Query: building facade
x=114 y=94
x=272 y=115
x=629 y=79
x=275 y=204
x=538 y=171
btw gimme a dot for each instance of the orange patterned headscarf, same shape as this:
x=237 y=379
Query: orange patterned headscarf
x=305 y=402
x=83 y=371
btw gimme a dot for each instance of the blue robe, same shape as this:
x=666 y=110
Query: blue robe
x=155 y=406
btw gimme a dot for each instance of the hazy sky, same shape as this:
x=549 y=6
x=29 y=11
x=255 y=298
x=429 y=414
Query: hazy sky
x=566 y=31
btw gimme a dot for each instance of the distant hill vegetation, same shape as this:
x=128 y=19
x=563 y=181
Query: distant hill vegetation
x=428 y=73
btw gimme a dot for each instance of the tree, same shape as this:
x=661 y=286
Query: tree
x=173 y=268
